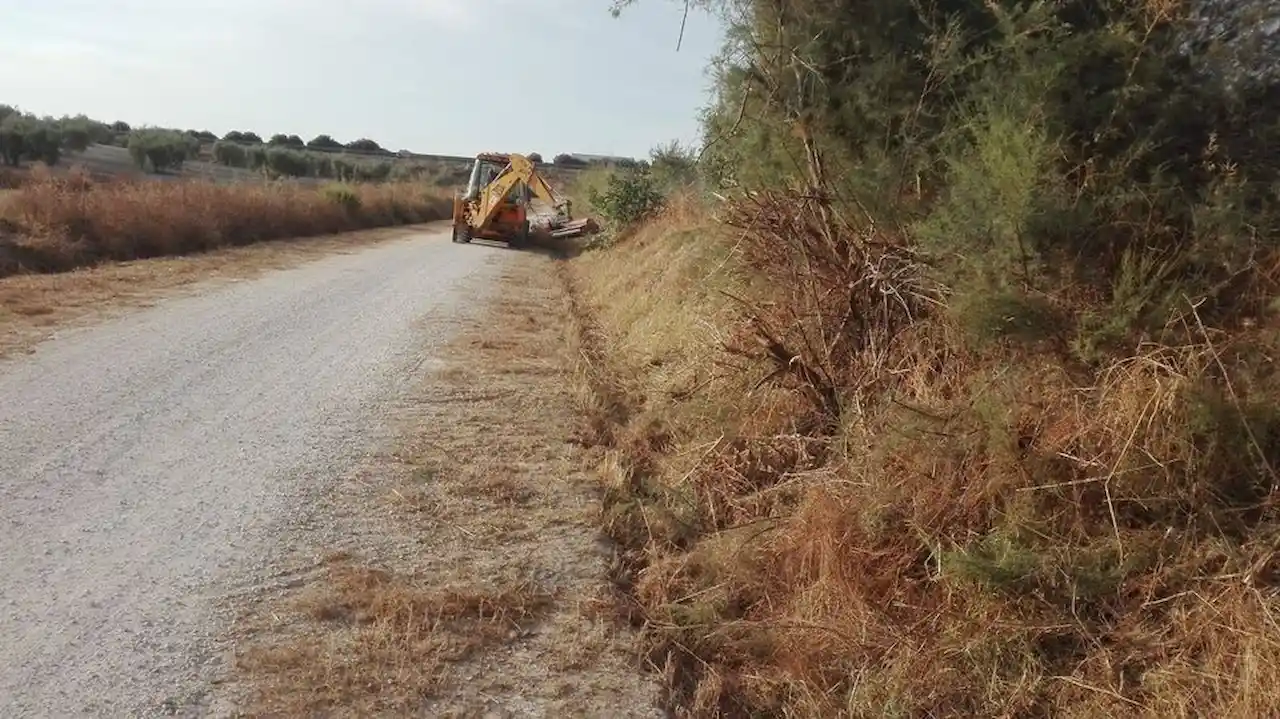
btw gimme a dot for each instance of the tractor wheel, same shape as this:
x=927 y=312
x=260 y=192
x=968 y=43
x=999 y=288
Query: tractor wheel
x=462 y=234
x=521 y=239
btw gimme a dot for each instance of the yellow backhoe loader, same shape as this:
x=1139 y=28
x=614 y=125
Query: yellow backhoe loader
x=499 y=204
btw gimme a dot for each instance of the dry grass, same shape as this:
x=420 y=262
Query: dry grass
x=387 y=642
x=483 y=523
x=33 y=305
x=54 y=224
x=961 y=533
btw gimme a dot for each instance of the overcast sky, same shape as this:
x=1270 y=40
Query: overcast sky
x=446 y=76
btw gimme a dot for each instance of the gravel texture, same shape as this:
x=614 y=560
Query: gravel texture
x=152 y=466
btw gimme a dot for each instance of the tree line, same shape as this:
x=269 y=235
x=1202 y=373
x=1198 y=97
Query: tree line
x=26 y=137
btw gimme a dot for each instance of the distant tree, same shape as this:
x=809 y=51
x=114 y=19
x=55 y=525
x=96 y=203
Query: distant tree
x=44 y=143
x=156 y=150
x=13 y=143
x=203 y=135
x=242 y=137
x=79 y=132
x=535 y=157
x=231 y=154
x=101 y=133
x=364 y=144
x=291 y=141
x=23 y=137
x=120 y=126
x=324 y=142
x=257 y=157
x=289 y=163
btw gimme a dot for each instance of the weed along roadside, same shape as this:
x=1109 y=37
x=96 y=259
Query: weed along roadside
x=978 y=422
x=965 y=533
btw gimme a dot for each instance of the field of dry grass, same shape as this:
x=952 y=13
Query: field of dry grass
x=54 y=224
x=471 y=580
x=994 y=533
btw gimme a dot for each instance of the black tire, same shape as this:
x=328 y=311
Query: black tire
x=521 y=240
x=462 y=234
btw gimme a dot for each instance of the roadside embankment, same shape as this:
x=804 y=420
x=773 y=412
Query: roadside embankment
x=841 y=492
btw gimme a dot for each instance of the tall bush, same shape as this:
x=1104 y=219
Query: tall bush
x=157 y=150
x=629 y=196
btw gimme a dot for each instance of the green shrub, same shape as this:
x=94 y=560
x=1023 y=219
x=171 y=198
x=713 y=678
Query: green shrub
x=155 y=150
x=244 y=138
x=257 y=157
x=12 y=140
x=364 y=144
x=629 y=196
x=324 y=142
x=373 y=171
x=343 y=170
x=24 y=137
x=230 y=154
x=674 y=165
x=289 y=163
x=343 y=195
x=79 y=132
x=44 y=143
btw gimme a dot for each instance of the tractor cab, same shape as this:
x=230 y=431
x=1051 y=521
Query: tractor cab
x=485 y=170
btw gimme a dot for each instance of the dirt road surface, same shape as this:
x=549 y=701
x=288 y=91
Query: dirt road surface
x=151 y=466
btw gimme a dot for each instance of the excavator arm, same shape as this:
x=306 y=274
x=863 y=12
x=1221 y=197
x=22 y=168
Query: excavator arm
x=485 y=209
x=519 y=169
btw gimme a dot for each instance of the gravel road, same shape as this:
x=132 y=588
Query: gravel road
x=151 y=466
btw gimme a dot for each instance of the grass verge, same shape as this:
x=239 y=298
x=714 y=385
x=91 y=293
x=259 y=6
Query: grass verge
x=915 y=526
x=470 y=575
x=55 y=224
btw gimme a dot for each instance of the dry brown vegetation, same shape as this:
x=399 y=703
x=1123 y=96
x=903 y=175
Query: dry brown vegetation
x=54 y=224
x=835 y=502
x=387 y=641
x=469 y=577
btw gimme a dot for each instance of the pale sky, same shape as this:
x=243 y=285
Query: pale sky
x=436 y=76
